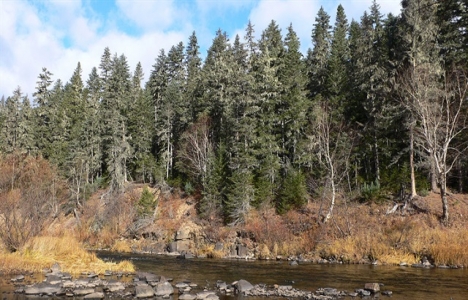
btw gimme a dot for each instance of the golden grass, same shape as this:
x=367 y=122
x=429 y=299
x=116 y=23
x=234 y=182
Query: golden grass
x=210 y=252
x=42 y=252
x=121 y=246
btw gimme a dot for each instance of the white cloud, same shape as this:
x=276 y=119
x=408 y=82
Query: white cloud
x=32 y=38
x=301 y=13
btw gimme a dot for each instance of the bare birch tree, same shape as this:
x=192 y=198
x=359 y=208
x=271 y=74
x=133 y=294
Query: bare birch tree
x=439 y=107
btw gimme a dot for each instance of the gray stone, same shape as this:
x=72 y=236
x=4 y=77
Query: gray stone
x=373 y=287
x=56 y=268
x=172 y=247
x=94 y=296
x=187 y=296
x=219 y=246
x=115 y=286
x=144 y=291
x=243 y=286
x=43 y=289
x=204 y=295
x=293 y=263
x=54 y=279
x=181 y=285
x=363 y=292
x=68 y=284
x=18 y=278
x=221 y=285
x=163 y=289
x=387 y=293
x=108 y=273
x=241 y=250
x=182 y=234
x=83 y=292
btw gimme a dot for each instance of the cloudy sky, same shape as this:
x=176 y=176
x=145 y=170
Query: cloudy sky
x=58 y=34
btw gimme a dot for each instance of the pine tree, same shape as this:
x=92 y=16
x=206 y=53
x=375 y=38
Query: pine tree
x=116 y=147
x=372 y=81
x=10 y=133
x=337 y=77
x=293 y=104
x=140 y=127
x=268 y=88
x=318 y=57
x=193 y=89
x=91 y=139
x=42 y=97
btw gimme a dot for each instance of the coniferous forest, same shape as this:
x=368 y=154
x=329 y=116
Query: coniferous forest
x=377 y=108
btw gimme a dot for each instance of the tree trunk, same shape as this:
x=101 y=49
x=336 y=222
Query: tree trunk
x=413 y=177
x=433 y=176
x=443 y=196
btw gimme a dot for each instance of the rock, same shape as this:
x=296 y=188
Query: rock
x=241 y=251
x=403 y=264
x=187 y=297
x=18 y=278
x=373 y=287
x=43 y=289
x=172 y=247
x=219 y=246
x=293 y=263
x=243 y=286
x=94 y=296
x=204 y=295
x=163 y=289
x=328 y=292
x=92 y=275
x=181 y=285
x=83 y=292
x=363 y=292
x=108 y=273
x=387 y=293
x=56 y=268
x=182 y=234
x=68 y=284
x=221 y=285
x=115 y=286
x=144 y=291
x=54 y=279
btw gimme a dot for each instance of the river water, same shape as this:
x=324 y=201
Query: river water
x=404 y=282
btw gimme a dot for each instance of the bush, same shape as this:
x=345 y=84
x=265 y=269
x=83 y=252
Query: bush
x=146 y=204
x=293 y=193
x=371 y=192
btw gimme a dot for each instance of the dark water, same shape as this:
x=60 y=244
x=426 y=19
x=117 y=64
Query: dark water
x=404 y=282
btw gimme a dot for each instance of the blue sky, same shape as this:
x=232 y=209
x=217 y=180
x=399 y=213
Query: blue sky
x=58 y=34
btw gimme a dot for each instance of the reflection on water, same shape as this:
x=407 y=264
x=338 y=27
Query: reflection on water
x=405 y=282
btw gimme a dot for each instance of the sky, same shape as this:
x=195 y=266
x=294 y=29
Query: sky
x=57 y=34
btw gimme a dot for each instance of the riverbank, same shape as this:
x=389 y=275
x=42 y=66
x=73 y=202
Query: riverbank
x=357 y=233
x=41 y=253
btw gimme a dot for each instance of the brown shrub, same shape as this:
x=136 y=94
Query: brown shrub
x=31 y=194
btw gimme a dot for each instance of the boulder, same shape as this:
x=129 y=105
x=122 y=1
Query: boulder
x=182 y=234
x=163 y=289
x=144 y=291
x=219 y=246
x=243 y=286
x=94 y=296
x=241 y=251
x=204 y=295
x=18 y=278
x=372 y=287
x=43 y=289
x=187 y=297
x=83 y=292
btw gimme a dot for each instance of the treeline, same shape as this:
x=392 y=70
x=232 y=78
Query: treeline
x=376 y=107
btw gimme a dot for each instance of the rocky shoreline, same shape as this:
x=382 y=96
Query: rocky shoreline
x=143 y=285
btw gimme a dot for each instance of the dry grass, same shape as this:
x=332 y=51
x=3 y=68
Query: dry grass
x=121 y=246
x=210 y=252
x=42 y=252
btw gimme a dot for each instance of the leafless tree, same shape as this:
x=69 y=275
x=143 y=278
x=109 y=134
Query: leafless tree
x=196 y=150
x=438 y=104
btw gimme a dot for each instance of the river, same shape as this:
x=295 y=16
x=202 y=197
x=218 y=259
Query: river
x=404 y=282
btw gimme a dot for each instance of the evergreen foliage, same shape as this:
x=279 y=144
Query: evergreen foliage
x=257 y=122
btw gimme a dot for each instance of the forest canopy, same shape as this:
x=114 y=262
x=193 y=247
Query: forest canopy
x=376 y=107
